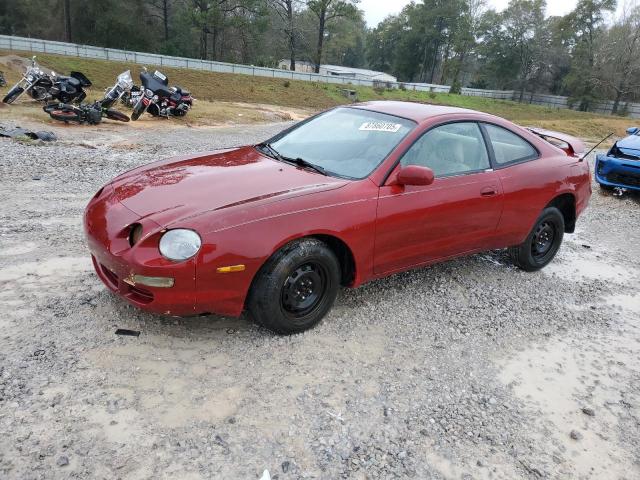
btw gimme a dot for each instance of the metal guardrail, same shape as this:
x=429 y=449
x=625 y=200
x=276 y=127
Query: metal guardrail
x=71 y=49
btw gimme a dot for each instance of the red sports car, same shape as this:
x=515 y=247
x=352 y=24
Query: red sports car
x=345 y=197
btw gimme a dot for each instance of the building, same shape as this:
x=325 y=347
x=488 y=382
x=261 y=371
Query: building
x=338 y=71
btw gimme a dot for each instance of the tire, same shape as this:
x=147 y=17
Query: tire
x=606 y=188
x=13 y=94
x=138 y=110
x=275 y=299
x=116 y=115
x=63 y=113
x=542 y=244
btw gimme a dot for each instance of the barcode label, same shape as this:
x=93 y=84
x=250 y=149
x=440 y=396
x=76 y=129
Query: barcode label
x=380 y=127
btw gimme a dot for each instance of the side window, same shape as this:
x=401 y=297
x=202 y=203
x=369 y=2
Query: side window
x=509 y=147
x=451 y=149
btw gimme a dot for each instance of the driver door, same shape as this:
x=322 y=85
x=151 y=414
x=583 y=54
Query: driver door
x=459 y=212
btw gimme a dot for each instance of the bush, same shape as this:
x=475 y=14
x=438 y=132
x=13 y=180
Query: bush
x=287 y=84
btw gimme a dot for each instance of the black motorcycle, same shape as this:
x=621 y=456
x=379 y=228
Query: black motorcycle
x=92 y=113
x=156 y=97
x=42 y=86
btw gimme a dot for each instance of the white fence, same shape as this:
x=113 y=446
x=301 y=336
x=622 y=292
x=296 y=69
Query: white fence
x=72 y=49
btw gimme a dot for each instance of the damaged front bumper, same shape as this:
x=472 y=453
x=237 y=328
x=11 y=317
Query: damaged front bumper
x=617 y=172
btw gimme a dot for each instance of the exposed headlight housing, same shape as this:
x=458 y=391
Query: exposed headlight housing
x=180 y=244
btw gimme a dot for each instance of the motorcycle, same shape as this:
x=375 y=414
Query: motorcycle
x=42 y=86
x=156 y=97
x=3 y=82
x=92 y=113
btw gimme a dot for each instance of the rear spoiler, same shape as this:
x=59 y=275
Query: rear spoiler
x=571 y=145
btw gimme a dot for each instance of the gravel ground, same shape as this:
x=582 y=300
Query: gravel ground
x=469 y=369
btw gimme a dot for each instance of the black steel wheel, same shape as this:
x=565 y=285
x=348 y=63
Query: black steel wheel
x=296 y=287
x=542 y=244
x=304 y=289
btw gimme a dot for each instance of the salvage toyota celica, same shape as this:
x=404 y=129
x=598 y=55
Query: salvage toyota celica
x=345 y=197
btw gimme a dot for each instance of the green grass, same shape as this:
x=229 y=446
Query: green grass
x=217 y=87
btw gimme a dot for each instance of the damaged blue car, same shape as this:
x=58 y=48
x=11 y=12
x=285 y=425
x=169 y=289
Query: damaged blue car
x=620 y=167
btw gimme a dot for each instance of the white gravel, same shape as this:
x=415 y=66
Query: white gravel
x=469 y=369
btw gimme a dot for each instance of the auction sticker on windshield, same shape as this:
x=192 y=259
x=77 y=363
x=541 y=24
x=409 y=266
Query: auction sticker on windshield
x=380 y=127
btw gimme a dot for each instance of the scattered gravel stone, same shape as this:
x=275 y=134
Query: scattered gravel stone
x=589 y=411
x=575 y=435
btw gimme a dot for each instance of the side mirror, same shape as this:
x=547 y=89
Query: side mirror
x=415 y=175
x=633 y=130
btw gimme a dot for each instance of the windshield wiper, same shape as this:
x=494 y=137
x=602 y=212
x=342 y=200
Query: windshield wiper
x=301 y=162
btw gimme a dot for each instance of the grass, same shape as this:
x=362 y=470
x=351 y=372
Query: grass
x=240 y=90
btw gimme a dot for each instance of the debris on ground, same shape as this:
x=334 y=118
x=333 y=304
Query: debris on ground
x=18 y=132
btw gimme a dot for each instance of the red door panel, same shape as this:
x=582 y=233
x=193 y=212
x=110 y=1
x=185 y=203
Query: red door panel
x=421 y=224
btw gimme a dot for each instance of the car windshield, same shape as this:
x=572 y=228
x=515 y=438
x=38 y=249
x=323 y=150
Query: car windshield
x=346 y=142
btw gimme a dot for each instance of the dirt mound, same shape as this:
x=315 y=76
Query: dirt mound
x=17 y=63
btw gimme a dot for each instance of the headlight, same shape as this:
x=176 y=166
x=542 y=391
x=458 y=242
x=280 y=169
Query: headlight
x=180 y=244
x=148 y=93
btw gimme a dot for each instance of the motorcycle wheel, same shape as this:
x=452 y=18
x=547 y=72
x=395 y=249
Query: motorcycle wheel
x=63 y=113
x=138 y=110
x=116 y=115
x=14 y=93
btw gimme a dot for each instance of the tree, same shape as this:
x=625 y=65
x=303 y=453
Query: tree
x=286 y=11
x=585 y=23
x=327 y=10
x=617 y=62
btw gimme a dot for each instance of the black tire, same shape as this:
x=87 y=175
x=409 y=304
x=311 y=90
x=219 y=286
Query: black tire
x=64 y=114
x=116 y=115
x=606 y=188
x=14 y=93
x=138 y=110
x=542 y=244
x=296 y=288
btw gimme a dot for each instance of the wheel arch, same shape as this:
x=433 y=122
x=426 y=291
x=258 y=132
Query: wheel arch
x=566 y=203
x=337 y=245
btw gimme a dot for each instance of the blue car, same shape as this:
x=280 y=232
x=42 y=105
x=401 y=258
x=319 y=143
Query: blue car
x=620 y=167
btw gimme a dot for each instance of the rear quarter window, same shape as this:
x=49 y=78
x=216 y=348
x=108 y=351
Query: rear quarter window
x=508 y=147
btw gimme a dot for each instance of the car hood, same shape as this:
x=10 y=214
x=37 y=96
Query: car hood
x=178 y=189
x=632 y=142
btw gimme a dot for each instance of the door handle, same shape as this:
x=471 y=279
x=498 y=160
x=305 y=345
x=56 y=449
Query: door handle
x=488 y=191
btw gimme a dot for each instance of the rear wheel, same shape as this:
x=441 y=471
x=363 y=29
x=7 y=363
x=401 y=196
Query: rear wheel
x=13 y=94
x=296 y=287
x=138 y=110
x=542 y=244
x=63 y=113
x=116 y=115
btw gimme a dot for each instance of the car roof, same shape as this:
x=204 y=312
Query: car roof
x=418 y=112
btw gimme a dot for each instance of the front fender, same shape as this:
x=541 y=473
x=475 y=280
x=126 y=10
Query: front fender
x=253 y=243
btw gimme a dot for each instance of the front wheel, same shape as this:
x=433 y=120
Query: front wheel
x=138 y=110
x=13 y=94
x=542 y=244
x=116 y=115
x=296 y=288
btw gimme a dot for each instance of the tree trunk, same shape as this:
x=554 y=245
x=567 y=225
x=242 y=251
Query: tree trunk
x=616 y=103
x=203 y=43
x=67 y=20
x=292 y=37
x=165 y=18
x=323 y=15
x=434 y=62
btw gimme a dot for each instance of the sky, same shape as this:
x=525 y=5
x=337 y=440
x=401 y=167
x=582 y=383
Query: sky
x=376 y=10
